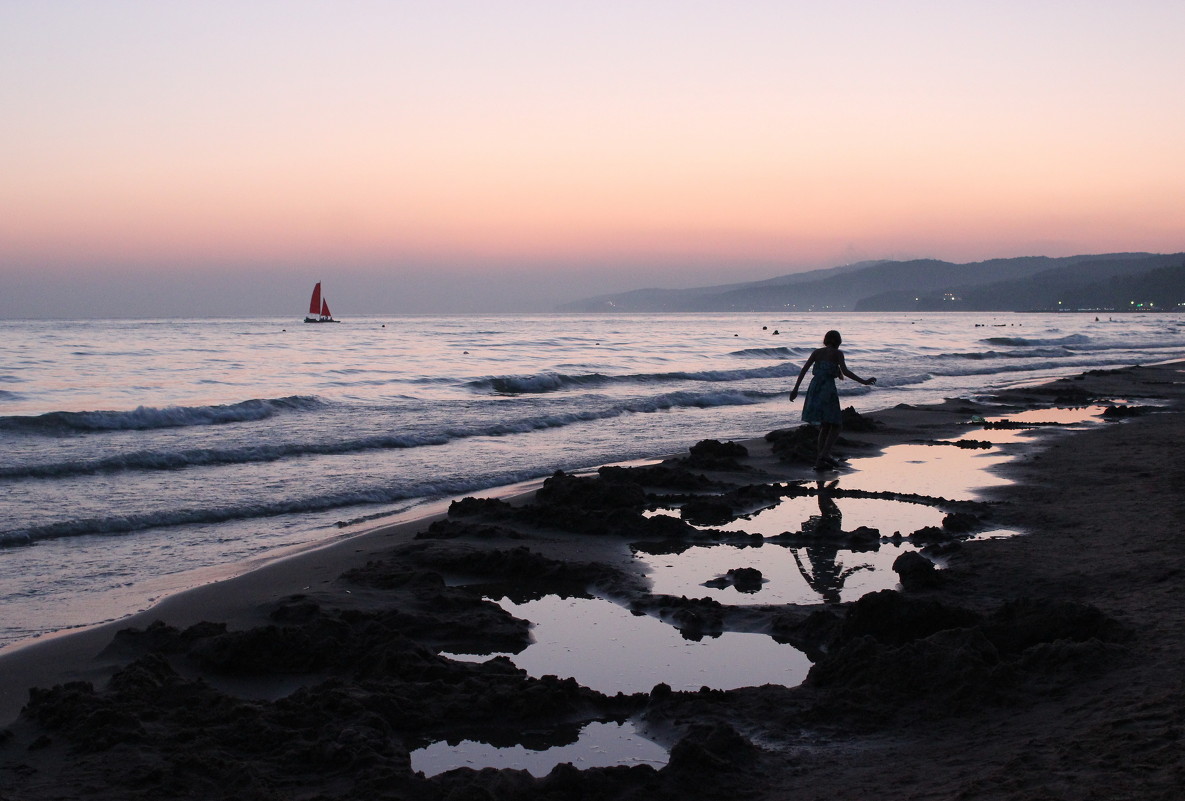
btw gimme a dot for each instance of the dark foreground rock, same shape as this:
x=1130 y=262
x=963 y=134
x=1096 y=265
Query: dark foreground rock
x=1042 y=667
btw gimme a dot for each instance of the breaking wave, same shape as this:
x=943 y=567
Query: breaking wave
x=770 y=353
x=1021 y=342
x=149 y=417
x=553 y=382
x=1008 y=354
x=130 y=524
x=202 y=457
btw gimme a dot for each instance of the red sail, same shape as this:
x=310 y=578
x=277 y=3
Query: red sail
x=315 y=303
x=325 y=308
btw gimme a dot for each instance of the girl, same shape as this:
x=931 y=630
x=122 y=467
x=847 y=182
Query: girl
x=822 y=398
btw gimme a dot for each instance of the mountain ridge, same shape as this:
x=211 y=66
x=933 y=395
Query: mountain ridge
x=1107 y=281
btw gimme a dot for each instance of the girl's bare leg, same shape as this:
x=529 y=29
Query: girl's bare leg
x=826 y=439
x=828 y=434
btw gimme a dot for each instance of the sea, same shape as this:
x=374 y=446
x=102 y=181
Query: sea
x=139 y=457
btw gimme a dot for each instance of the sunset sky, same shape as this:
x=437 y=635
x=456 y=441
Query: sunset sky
x=216 y=157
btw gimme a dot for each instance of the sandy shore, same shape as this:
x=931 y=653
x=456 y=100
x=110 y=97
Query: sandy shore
x=1044 y=666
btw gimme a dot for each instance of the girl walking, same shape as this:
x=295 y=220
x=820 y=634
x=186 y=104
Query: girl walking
x=821 y=407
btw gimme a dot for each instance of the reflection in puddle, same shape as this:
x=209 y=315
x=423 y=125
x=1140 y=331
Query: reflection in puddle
x=609 y=649
x=809 y=574
x=820 y=562
x=598 y=745
x=886 y=516
x=605 y=647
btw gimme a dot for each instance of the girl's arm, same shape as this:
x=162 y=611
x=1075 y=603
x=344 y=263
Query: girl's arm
x=843 y=369
x=810 y=360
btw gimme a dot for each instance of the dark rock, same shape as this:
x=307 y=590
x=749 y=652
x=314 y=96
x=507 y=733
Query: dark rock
x=665 y=527
x=453 y=529
x=396 y=574
x=916 y=571
x=931 y=535
x=661 y=475
x=944 y=673
x=694 y=617
x=744 y=579
x=715 y=449
x=483 y=507
x=800 y=445
x=854 y=421
x=863 y=535
x=711 y=454
x=589 y=493
x=810 y=634
x=711 y=748
x=157 y=636
x=960 y=522
x=707 y=512
x=795 y=445
x=890 y=617
x=1087 y=658
x=1021 y=624
x=1122 y=412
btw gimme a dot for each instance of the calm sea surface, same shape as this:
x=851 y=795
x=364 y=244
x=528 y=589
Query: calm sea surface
x=136 y=451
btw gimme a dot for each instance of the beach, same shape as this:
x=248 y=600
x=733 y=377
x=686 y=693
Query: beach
x=1044 y=665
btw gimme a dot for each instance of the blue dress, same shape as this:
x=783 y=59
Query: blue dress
x=822 y=398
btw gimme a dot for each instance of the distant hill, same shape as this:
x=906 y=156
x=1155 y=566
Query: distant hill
x=1113 y=281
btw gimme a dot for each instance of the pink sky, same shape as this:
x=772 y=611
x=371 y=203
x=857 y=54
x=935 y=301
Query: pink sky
x=572 y=143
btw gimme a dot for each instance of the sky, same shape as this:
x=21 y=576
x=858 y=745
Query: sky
x=215 y=157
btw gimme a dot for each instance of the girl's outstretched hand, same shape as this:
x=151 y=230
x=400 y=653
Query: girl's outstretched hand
x=793 y=394
x=870 y=381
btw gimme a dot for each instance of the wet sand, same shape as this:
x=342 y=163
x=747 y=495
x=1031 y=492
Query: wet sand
x=1043 y=666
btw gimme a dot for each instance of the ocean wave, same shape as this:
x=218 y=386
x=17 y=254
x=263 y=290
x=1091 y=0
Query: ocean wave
x=1022 y=342
x=149 y=417
x=1028 y=367
x=1008 y=354
x=270 y=452
x=539 y=382
x=770 y=353
x=130 y=524
x=552 y=382
x=120 y=525
x=898 y=381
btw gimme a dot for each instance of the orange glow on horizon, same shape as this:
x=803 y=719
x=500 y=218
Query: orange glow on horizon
x=625 y=136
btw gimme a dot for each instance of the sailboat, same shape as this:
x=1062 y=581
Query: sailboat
x=319 y=308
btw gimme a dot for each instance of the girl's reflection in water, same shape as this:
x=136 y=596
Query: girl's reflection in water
x=824 y=575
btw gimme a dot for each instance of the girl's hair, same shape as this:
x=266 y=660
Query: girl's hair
x=832 y=339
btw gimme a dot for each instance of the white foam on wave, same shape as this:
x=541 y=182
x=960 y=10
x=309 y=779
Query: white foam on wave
x=148 y=417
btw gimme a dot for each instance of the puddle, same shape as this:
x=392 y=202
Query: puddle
x=825 y=570
x=596 y=745
x=1075 y=418
x=946 y=471
x=607 y=648
x=791 y=513
x=939 y=471
x=1069 y=416
x=812 y=574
